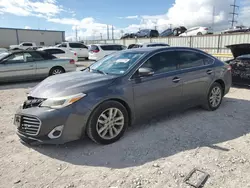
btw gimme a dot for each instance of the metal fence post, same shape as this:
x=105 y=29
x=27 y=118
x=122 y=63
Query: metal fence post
x=219 y=40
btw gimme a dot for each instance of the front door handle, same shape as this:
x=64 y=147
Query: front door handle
x=209 y=72
x=176 y=79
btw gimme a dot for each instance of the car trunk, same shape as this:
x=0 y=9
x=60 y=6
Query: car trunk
x=239 y=49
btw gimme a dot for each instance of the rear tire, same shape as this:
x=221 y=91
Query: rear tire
x=199 y=33
x=214 y=97
x=56 y=70
x=108 y=123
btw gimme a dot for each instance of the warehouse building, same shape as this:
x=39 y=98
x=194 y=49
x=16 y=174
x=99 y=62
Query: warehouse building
x=11 y=36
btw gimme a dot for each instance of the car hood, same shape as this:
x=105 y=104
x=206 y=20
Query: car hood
x=239 y=49
x=70 y=84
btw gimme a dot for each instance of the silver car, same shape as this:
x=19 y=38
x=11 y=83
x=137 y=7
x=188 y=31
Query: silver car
x=28 y=65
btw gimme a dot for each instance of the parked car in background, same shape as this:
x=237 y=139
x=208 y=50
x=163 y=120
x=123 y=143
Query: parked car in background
x=146 y=45
x=78 y=47
x=147 y=33
x=2 y=50
x=128 y=36
x=237 y=29
x=60 y=53
x=119 y=90
x=197 y=31
x=240 y=64
x=29 y=65
x=173 y=32
x=98 y=51
x=23 y=46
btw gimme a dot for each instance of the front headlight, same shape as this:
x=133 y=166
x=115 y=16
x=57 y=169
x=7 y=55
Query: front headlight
x=60 y=102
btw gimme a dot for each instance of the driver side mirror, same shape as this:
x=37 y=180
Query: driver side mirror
x=145 y=72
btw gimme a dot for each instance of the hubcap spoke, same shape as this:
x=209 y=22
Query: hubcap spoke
x=111 y=132
x=102 y=129
x=104 y=132
x=215 y=97
x=118 y=119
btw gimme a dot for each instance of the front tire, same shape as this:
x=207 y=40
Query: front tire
x=108 y=123
x=214 y=97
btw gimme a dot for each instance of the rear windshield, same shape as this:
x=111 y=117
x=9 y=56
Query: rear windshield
x=154 y=33
x=156 y=45
x=93 y=48
x=111 y=47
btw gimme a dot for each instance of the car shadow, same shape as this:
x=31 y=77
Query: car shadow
x=160 y=137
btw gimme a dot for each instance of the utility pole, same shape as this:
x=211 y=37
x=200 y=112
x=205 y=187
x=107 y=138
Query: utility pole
x=76 y=32
x=112 y=32
x=101 y=35
x=170 y=26
x=108 y=32
x=233 y=21
x=213 y=18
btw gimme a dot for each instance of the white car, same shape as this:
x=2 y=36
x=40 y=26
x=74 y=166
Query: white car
x=98 y=51
x=197 y=31
x=79 y=48
x=60 y=53
x=23 y=46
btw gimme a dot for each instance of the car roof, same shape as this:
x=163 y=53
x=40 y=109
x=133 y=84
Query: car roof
x=153 y=49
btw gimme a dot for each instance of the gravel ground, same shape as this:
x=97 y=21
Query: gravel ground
x=157 y=154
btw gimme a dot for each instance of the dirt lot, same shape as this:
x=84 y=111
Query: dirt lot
x=157 y=154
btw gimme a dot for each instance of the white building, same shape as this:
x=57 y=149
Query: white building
x=11 y=36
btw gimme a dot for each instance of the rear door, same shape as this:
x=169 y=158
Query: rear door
x=196 y=74
x=80 y=49
x=17 y=67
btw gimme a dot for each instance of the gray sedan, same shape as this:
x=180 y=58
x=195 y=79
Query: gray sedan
x=28 y=65
x=113 y=93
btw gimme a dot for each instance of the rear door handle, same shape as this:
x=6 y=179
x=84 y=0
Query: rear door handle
x=176 y=79
x=209 y=72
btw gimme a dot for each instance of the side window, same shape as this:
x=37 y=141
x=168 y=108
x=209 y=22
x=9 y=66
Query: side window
x=27 y=44
x=32 y=56
x=16 y=58
x=188 y=59
x=77 y=45
x=112 y=47
x=55 y=51
x=63 y=45
x=162 y=62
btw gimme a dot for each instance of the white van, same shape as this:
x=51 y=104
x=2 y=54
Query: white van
x=98 y=51
x=79 y=48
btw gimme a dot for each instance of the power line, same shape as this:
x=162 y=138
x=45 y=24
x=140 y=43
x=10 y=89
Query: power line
x=233 y=21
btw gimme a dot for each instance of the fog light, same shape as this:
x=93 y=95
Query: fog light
x=56 y=132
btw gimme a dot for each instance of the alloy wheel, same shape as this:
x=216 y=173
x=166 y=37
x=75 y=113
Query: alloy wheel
x=215 y=97
x=110 y=123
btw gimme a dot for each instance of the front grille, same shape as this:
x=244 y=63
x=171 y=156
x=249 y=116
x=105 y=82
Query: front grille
x=30 y=125
x=32 y=102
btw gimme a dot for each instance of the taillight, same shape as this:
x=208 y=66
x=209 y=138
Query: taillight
x=75 y=54
x=206 y=28
x=72 y=61
x=95 y=51
x=229 y=68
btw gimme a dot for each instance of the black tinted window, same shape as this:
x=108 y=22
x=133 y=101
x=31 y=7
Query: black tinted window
x=155 y=45
x=27 y=44
x=189 y=59
x=112 y=47
x=77 y=45
x=55 y=51
x=93 y=47
x=154 y=33
x=162 y=62
x=45 y=55
x=32 y=56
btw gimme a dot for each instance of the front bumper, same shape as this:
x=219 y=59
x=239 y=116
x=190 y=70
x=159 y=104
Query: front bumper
x=52 y=126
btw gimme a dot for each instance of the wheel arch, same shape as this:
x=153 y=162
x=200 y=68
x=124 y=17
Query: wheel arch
x=54 y=67
x=222 y=83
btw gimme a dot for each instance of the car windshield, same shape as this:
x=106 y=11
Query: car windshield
x=117 y=63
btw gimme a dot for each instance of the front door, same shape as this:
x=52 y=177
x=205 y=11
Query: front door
x=161 y=91
x=197 y=74
x=16 y=68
